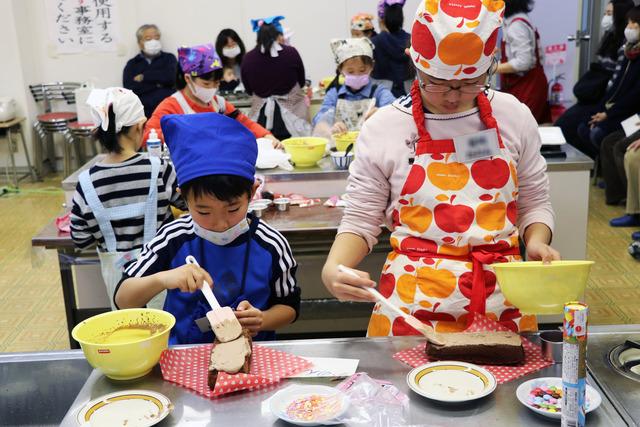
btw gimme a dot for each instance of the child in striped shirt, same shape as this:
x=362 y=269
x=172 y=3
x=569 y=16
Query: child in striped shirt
x=121 y=201
x=248 y=263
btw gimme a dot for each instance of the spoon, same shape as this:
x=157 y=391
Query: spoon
x=349 y=147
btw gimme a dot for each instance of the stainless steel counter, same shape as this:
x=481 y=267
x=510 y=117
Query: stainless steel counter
x=54 y=389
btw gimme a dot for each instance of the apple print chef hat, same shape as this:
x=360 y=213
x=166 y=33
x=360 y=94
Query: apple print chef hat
x=455 y=39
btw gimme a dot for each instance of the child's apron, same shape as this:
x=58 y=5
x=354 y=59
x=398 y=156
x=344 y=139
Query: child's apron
x=353 y=113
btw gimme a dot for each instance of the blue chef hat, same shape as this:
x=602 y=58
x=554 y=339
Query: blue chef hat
x=209 y=144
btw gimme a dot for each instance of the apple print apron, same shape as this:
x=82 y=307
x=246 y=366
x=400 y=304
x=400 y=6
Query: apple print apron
x=532 y=87
x=452 y=221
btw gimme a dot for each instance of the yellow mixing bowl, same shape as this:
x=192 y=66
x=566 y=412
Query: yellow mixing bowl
x=537 y=288
x=343 y=140
x=305 y=151
x=125 y=344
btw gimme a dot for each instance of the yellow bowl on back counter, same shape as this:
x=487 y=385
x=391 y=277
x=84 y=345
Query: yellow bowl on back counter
x=537 y=288
x=125 y=344
x=343 y=140
x=305 y=151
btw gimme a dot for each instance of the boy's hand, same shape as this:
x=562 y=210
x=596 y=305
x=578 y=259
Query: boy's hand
x=249 y=317
x=187 y=278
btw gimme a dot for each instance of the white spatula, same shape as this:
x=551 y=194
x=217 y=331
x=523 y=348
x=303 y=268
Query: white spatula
x=206 y=287
x=416 y=324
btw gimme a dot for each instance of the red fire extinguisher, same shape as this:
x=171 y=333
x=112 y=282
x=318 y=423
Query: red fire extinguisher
x=555 y=98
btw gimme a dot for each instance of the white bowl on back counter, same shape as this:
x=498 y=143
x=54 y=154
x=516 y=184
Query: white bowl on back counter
x=7 y=109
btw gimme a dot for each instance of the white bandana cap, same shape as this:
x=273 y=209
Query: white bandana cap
x=127 y=108
x=344 y=49
x=455 y=39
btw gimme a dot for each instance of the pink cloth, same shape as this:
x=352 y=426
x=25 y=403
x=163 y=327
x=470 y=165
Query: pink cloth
x=386 y=143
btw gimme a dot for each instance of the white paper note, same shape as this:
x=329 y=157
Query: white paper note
x=551 y=135
x=324 y=367
x=631 y=125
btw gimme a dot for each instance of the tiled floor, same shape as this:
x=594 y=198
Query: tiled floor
x=31 y=308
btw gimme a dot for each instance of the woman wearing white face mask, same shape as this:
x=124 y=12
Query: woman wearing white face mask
x=198 y=80
x=231 y=49
x=151 y=73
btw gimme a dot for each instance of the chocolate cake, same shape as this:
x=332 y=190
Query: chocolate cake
x=484 y=348
x=230 y=357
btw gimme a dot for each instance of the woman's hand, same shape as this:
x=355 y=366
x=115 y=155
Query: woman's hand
x=338 y=128
x=597 y=118
x=274 y=141
x=249 y=317
x=346 y=287
x=187 y=278
x=538 y=251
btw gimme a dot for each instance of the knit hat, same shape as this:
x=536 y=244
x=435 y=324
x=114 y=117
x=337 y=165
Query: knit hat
x=344 y=49
x=199 y=60
x=455 y=39
x=209 y=144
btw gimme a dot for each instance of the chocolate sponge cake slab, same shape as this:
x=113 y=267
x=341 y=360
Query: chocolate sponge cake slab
x=246 y=366
x=483 y=348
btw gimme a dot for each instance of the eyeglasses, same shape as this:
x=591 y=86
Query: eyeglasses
x=472 y=89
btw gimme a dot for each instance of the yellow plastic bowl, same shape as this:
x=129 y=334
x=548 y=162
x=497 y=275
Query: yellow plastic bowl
x=125 y=344
x=305 y=151
x=344 y=139
x=536 y=288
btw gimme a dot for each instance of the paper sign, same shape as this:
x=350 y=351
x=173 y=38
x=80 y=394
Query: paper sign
x=324 y=367
x=631 y=125
x=77 y=26
x=551 y=135
x=555 y=54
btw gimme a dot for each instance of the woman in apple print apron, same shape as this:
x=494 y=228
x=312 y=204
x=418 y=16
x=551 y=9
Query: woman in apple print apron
x=454 y=171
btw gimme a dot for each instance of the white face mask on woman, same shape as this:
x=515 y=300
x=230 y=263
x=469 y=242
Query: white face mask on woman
x=631 y=34
x=231 y=52
x=607 y=23
x=204 y=94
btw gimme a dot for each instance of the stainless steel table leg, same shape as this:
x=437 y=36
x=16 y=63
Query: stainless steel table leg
x=68 y=292
x=11 y=156
x=32 y=171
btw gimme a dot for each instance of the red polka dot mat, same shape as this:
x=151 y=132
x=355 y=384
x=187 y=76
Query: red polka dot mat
x=189 y=368
x=534 y=361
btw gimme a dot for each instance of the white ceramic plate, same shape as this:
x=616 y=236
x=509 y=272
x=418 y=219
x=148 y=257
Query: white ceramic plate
x=280 y=401
x=451 y=382
x=133 y=408
x=593 y=397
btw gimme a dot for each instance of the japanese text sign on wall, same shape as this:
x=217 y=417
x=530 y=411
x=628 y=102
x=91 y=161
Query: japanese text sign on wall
x=82 y=25
x=555 y=54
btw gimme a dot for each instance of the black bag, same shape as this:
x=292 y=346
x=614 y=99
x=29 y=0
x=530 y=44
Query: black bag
x=592 y=86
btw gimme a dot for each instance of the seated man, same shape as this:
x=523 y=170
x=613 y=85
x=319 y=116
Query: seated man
x=151 y=74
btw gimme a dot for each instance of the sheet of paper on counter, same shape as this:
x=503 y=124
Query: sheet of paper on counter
x=631 y=125
x=324 y=367
x=551 y=135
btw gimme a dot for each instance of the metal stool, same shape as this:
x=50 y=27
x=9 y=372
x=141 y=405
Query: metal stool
x=10 y=126
x=50 y=123
x=81 y=133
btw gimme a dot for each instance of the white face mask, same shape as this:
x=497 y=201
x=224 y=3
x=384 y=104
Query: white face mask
x=152 y=47
x=224 y=237
x=631 y=34
x=202 y=93
x=231 y=52
x=607 y=23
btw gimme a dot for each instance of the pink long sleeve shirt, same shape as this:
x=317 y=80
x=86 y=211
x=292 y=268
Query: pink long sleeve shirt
x=386 y=144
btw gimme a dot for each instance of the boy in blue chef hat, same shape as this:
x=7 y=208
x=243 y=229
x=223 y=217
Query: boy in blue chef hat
x=248 y=263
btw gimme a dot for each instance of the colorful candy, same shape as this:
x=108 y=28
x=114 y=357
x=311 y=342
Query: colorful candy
x=314 y=408
x=546 y=398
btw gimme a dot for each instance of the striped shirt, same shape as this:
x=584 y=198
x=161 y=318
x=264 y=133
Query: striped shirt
x=119 y=184
x=269 y=278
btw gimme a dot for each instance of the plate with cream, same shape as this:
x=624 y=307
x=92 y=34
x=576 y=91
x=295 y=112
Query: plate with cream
x=451 y=382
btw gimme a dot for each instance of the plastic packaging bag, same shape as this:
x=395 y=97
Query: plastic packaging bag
x=373 y=402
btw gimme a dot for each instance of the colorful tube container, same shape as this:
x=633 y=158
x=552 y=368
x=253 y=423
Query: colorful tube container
x=574 y=365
